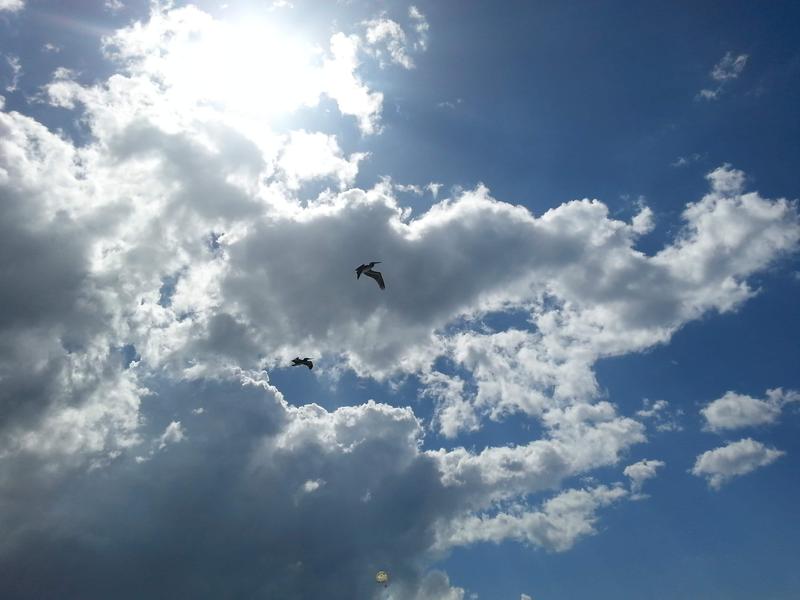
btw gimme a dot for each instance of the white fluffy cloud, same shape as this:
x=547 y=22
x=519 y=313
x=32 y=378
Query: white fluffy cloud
x=733 y=411
x=247 y=71
x=308 y=156
x=722 y=464
x=640 y=472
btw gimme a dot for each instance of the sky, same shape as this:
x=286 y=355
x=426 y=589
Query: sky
x=580 y=381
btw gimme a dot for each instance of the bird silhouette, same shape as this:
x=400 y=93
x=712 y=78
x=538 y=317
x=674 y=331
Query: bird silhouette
x=367 y=270
x=296 y=362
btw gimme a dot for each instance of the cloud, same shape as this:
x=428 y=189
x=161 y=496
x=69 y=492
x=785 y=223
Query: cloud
x=434 y=189
x=683 y=161
x=421 y=26
x=172 y=435
x=236 y=477
x=727 y=69
x=662 y=417
x=56 y=351
x=722 y=464
x=639 y=473
x=113 y=6
x=644 y=221
x=559 y=523
x=12 y=5
x=222 y=314
x=389 y=34
x=733 y=411
x=434 y=586
x=385 y=37
x=16 y=73
x=451 y=104
x=309 y=156
x=176 y=233
x=164 y=55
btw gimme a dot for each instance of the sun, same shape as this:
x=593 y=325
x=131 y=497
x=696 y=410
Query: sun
x=244 y=66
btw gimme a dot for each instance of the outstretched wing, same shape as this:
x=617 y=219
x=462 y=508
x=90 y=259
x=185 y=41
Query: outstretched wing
x=309 y=364
x=360 y=270
x=377 y=277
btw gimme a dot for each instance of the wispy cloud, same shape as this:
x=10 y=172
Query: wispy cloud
x=385 y=38
x=663 y=418
x=683 y=161
x=16 y=73
x=725 y=71
x=451 y=104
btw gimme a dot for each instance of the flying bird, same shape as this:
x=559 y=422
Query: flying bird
x=367 y=270
x=296 y=362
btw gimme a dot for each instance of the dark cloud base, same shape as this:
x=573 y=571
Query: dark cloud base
x=221 y=514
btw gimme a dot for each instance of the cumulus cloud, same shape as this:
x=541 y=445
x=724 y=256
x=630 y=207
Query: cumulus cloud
x=308 y=156
x=172 y=234
x=237 y=477
x=726 y=70
x=195 y=62
x=733 y=411
x=640 y=472
x=722 y=464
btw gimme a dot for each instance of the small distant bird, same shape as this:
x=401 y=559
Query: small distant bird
x=367 y=270
x=296 y=362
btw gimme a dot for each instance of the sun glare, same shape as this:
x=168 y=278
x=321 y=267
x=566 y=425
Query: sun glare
x=249 y=68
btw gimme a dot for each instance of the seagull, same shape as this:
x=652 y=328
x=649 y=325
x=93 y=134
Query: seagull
x=367 y=270
x=296 y=362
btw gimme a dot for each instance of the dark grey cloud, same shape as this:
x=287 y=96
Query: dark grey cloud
x=224 y=513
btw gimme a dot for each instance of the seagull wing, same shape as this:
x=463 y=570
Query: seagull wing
x=377 y=277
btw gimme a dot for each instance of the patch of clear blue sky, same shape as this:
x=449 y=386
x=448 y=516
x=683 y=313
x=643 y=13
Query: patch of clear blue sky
x=563 y=100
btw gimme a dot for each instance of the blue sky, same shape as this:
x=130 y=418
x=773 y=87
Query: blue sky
x=580 y=381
